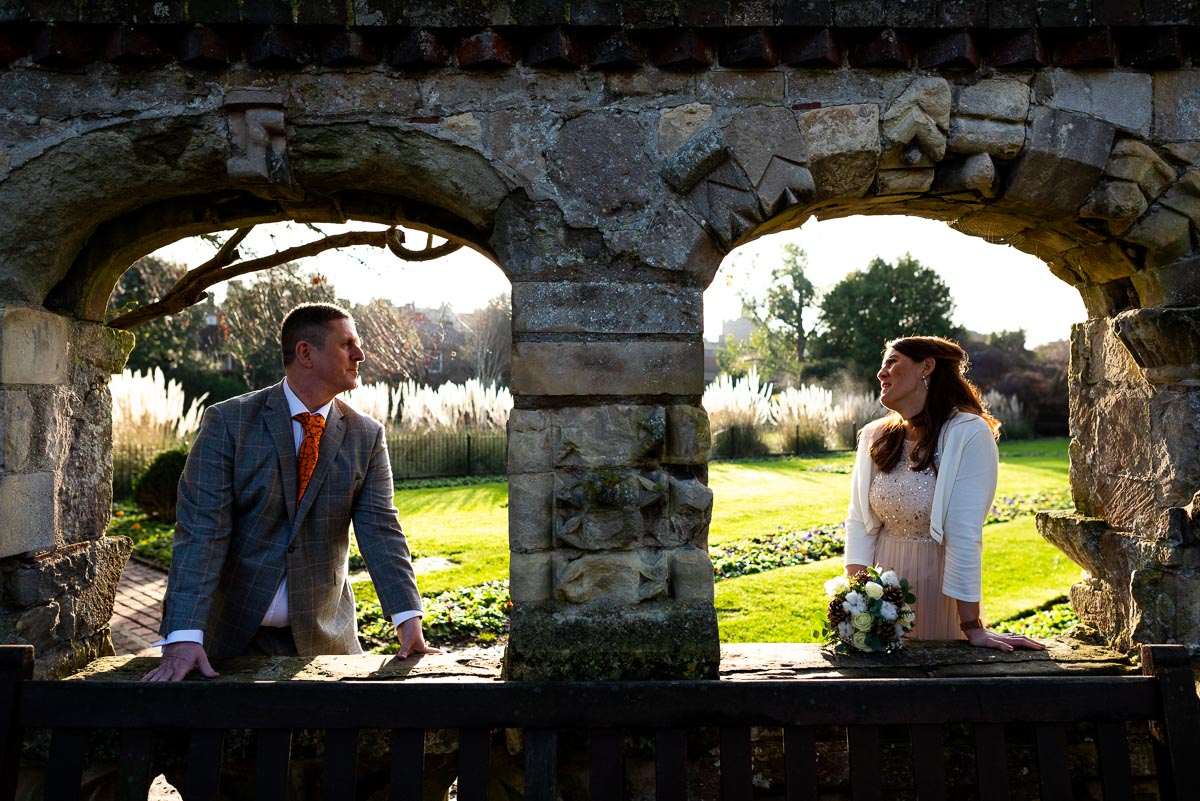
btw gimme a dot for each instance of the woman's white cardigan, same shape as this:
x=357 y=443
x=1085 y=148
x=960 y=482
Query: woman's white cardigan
x=968 y=463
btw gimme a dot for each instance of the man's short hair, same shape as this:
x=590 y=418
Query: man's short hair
x=308 y=322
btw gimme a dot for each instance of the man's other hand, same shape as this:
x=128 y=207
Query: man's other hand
x=180 y=659
x=412 y=639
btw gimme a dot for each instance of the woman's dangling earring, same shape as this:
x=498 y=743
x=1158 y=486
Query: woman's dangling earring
x=925 y=378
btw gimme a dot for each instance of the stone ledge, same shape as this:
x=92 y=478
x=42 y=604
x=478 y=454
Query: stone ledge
x=739 y=662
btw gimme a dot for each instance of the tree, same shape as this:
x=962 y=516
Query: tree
x=166 y=342
x=254 y=313
x=392 y=342
x=489 y=340
x=867 y=308
x=228 y=264
x=789 y=295
x=779 y=343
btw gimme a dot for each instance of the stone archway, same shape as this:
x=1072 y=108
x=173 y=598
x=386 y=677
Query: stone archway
x=606 y=165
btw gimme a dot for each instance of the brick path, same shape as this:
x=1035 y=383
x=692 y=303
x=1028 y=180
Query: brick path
x=138 y=609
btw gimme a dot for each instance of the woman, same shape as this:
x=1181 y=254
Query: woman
x=923 y=482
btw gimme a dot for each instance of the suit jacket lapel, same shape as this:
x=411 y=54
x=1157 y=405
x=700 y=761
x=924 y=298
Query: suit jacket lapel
x=279 y=425
x=331 y=441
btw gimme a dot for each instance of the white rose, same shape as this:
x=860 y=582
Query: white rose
x=859 y=640
x=862 y=621
x=845 y=630
x=888 y=611
x=890 y=578
x=873 y=590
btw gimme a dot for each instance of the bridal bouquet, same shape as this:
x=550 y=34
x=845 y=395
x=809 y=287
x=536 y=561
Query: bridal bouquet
x=869 y=611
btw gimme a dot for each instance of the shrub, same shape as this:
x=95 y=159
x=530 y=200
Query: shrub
x=148 y=416
x=157 y=489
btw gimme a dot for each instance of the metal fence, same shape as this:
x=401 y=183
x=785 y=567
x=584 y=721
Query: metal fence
x=457 y=453
x=482 y=453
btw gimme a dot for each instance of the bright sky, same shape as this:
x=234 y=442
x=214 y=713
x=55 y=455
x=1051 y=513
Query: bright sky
x=995 y=287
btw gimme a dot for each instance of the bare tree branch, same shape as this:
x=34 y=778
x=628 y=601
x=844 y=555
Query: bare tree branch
x=396 y=245
x=190 y=289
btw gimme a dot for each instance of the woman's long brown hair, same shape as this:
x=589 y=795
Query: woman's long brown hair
x=949 y=392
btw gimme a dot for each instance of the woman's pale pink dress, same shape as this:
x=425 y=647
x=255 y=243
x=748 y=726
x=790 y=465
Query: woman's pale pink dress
x=901 y=500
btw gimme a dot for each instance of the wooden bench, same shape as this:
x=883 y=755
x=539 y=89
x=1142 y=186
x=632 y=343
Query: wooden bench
x=601 y=714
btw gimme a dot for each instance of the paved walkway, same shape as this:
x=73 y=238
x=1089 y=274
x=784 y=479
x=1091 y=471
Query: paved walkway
x=138 y=610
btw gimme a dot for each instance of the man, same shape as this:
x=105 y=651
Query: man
x=262 y=535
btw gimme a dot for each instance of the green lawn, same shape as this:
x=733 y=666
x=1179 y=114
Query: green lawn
x=469 y=526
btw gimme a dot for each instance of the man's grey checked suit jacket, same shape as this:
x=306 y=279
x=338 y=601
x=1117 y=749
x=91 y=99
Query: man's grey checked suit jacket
x=239 y=528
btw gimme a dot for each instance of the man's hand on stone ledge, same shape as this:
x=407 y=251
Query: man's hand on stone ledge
x=412 y=639
x=180 y=659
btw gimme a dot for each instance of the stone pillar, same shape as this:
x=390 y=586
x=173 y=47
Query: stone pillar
x=1135 y=467
x=607 y=463
x=58 y=572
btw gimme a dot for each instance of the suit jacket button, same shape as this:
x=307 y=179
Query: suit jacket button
x=291 y=549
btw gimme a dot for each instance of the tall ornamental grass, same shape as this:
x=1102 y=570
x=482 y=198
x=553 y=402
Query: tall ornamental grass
x=373 y=400
x=802 y=415
x=148 y=411
x=738 y=412
x=471 y=405
x=148 y=417
x=1009 y=410
x=849 y=416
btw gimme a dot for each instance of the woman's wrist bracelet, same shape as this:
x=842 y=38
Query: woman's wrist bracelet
x=968 y=625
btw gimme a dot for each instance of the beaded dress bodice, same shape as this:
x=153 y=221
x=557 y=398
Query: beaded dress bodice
x=903 y=498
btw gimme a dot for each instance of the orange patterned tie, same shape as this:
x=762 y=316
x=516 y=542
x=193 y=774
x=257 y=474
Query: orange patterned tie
x=306 y=458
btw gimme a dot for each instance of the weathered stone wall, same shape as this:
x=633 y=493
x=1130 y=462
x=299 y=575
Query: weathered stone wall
x=60 y=578
x=606 y=156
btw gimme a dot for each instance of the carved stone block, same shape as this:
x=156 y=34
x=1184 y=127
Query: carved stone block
x=690 y=513
x=1164 y=342
x=27 y=502
x=689 y=436
x=257 y=137
x=1136 y=161
x=1062 y=161
x=1003 y=140
x=530 y=511
x=629 y=577
x=531 y=577
x=597 y=436
x=677 y=125
x=843 y=148
x=975 y=173
x=915 y=125
x=610 y=508
x=33 y=347
x=1166 y=235
x=691 y=574
x=608 y=368
x=896 y=182
x=532 y=442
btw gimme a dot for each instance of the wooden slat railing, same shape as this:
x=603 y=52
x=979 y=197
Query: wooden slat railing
x=1164 y=696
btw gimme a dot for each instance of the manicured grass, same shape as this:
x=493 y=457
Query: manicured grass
x=1021 y=572
x=468 y=525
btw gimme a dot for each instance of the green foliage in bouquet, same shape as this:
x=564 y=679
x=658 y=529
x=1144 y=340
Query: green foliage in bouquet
x=869 y=611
